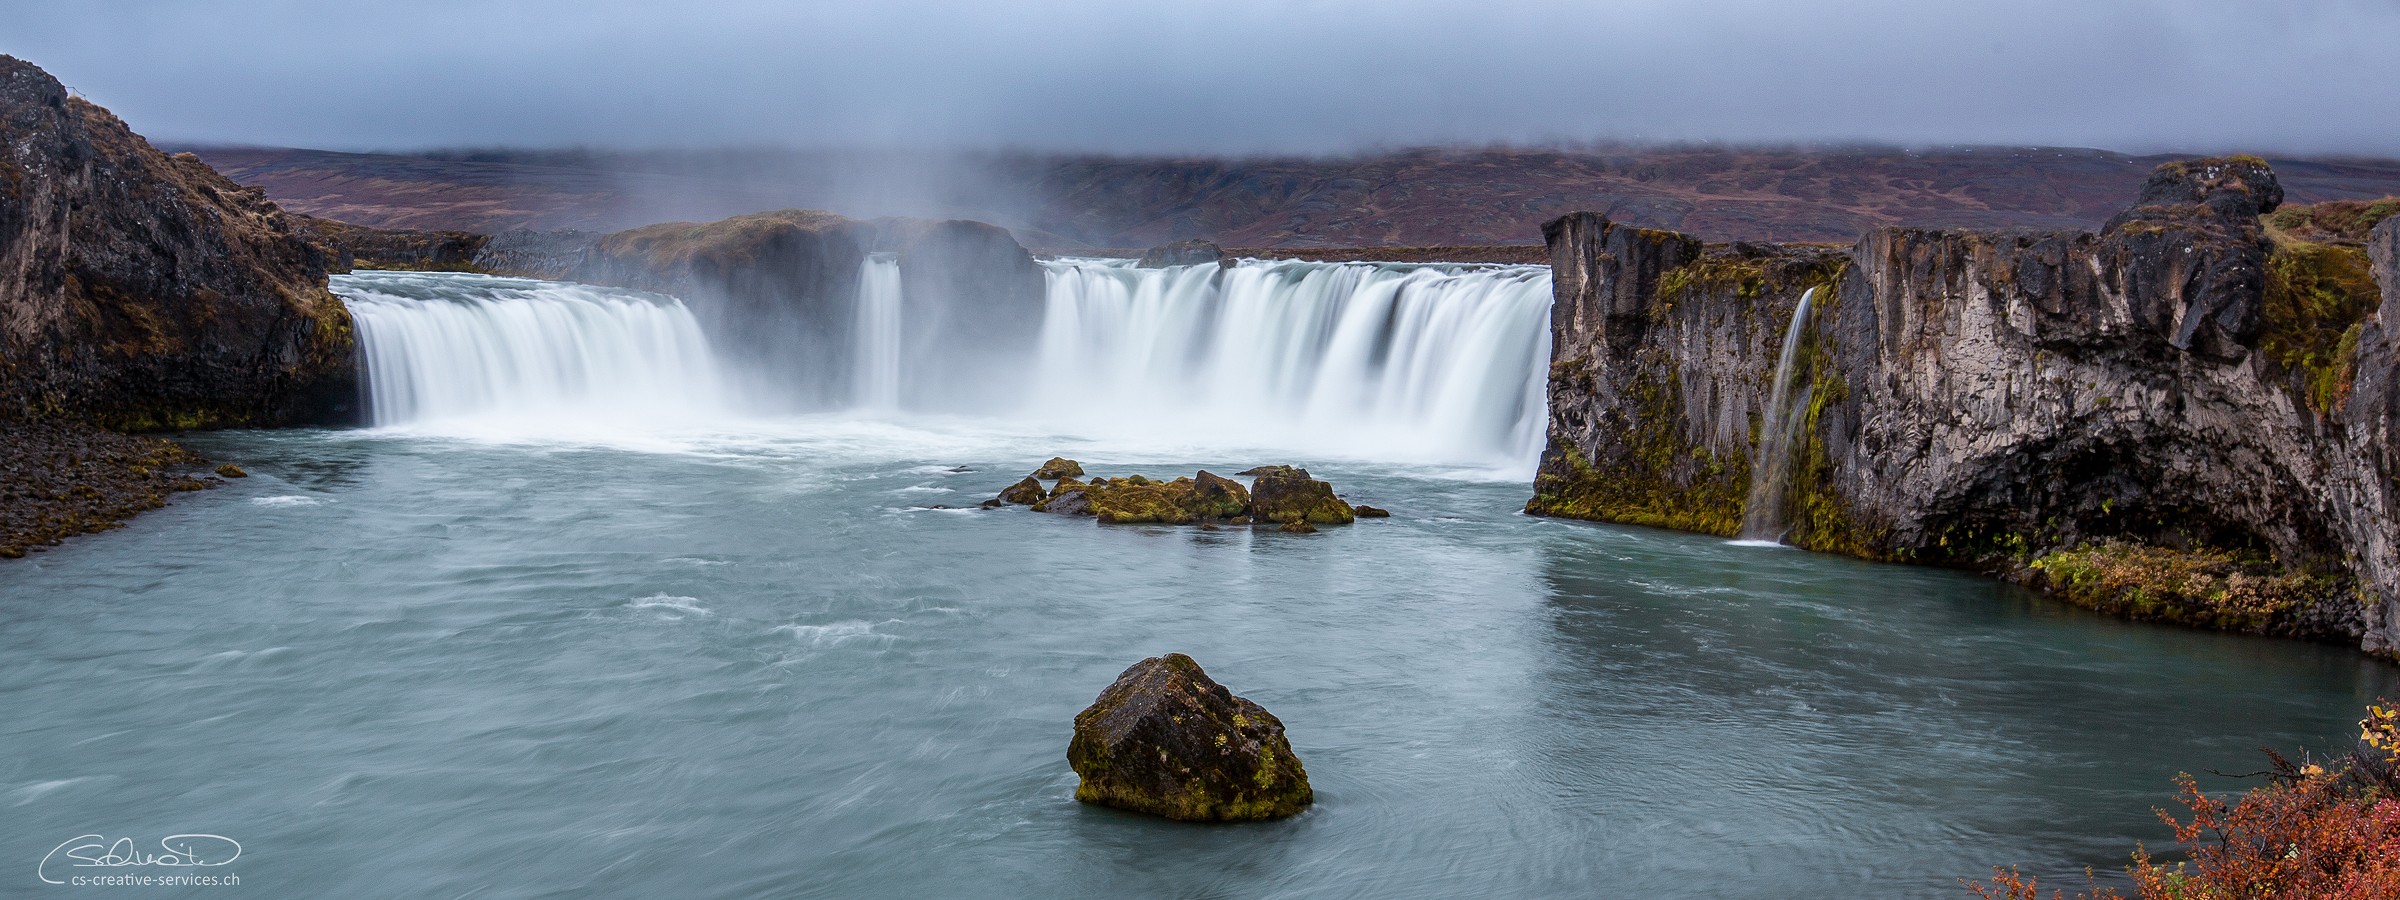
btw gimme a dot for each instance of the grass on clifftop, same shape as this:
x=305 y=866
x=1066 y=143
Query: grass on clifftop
x=2333 y=221
x=2315 y=299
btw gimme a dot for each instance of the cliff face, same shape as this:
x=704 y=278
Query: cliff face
x=141 y=291
x=350 y=246
x=2081 y=411
x=780 y=290
x=971 y=318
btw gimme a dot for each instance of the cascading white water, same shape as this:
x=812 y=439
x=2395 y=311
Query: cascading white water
x=448 y=350
x=1405 y=363
x=1762 y=513
x=876 y=381
x=1413 y=363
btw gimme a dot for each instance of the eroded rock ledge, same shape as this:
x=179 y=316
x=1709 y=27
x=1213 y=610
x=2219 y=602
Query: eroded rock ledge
x=2177 y=418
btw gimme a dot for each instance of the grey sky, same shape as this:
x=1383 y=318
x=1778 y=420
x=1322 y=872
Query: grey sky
x=2315 y=76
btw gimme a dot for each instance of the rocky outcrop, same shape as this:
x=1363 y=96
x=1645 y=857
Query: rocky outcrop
x=1182 y=253
x=776 y=290
x=2006 y=401
x=555 y=255
x=141 y=291
x=1167 y=740
x=971 y=316
x=779 y=290
x=349 y=247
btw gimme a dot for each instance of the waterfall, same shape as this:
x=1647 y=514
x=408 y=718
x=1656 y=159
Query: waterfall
x=1413 y=363
x=877 y=351
x=442 y=349
x=1407 y=363
x=1762 y=515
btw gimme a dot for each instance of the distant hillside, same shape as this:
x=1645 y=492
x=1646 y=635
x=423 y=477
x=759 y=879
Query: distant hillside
x=1411 y=198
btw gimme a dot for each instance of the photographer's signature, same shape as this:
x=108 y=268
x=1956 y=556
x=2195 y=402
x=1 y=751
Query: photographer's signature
x=180 y=850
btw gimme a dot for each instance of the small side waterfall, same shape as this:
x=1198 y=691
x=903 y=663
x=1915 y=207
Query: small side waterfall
x=877 y=351
x=1770 y=467
x=526 y=356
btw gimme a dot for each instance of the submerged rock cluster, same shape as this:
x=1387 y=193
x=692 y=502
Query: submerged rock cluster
x=1167 y=740
x=1277 y=495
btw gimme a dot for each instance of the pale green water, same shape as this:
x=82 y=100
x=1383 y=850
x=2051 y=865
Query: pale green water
x=742 y=666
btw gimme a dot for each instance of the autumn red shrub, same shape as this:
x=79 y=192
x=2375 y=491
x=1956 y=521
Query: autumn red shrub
x=2309 y=833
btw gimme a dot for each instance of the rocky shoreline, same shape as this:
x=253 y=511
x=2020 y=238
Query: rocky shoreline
x=58 y=481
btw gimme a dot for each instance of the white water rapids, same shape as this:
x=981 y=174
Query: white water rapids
x=1434 y=364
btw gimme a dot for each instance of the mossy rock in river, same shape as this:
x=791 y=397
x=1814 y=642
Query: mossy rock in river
x=1025 y=493
x=1136 y=500
x=1167 y=740
x=1059 y=467
x=1280 y=496
x=1217 y=497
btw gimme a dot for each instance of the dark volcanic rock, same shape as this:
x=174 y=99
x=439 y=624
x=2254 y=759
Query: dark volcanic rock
x=1072 y=501
x=2191 y=256
x=1371 y=512
x=1283 y=494
x=141 y=291
x=1182 y=253
x=1168 y=741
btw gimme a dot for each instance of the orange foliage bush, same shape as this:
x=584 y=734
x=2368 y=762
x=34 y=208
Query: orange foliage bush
x=2308 y=834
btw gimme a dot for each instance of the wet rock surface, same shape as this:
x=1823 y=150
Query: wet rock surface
x=1167 y=740
x=57 y=481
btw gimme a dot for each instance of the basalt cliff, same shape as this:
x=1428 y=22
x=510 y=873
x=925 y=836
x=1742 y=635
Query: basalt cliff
x=141 y=291
x=2187 y=416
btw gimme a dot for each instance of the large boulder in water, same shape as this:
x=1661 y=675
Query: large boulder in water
x=1167 y=740
x=1284 y=494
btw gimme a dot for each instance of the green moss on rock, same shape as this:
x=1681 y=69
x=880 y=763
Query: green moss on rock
x=1167 y=740
x=2204 y=588
x=2316 y=297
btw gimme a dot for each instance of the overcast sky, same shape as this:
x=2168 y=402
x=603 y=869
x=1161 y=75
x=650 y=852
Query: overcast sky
x=2311 y=76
